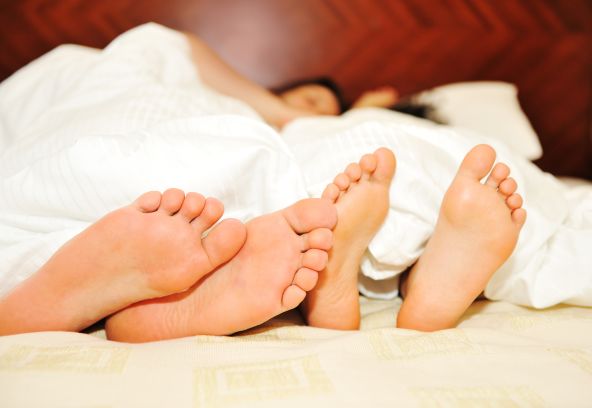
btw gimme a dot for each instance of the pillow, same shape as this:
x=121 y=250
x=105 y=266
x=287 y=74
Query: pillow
x=489 y=108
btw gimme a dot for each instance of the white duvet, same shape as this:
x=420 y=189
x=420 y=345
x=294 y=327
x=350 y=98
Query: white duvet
x=83 y=132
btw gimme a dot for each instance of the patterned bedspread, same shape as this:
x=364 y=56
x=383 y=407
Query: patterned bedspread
x=500 y=355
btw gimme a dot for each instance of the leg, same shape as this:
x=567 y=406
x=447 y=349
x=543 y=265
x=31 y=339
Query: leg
x=476 y=232
x=361 y=196
x=151 y=248
x=278 y=263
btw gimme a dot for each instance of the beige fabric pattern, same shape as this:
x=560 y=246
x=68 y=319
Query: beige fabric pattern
x=501 y=355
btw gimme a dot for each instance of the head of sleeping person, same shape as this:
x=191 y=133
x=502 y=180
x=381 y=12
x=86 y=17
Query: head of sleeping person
x=324 y=97
x=319 y=95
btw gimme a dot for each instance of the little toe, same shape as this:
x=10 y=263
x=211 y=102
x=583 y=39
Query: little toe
x=353 y=171
x=508 y=186
x=309 y=214
x=292 y=297
x=320 y=238
x=224 y=241
x=514 y=201
x=306 y=279
x=368 y=165
x=342 y=181
x=315 y=259
x=148 y=202
x=519 y=216
x=498 y=174
x=211 y=213
x=331 y=193
x=172 y=200
x=192 y=206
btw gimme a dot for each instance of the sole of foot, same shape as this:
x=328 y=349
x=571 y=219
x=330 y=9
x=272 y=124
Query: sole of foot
x=279 y=262
x=361 y=196
x=151 y=248
x=476 y=232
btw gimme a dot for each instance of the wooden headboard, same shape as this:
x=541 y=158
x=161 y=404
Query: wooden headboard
x=543 y=46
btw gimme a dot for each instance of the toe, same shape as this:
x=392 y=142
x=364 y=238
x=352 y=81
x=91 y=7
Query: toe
x=224 y=241
x=309 y=214
x=514 y=201
x=315 y=259
x=171 y=201
x=368 y=165
x=331 y=193
x=385 y=165
x=342 y=181
x=148 y=202
x=353 y=171
x=508 y=186
x=306 y=279
x=192 y=206
x=478 y=162
x=211 y=213
x=498 y=174
x=519 y=216
x=320 y=238
x=292 y=297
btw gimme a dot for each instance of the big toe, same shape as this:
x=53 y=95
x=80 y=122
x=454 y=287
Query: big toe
x=385 y=165
x=224 y=241
x=478 y=162
x=309 y=214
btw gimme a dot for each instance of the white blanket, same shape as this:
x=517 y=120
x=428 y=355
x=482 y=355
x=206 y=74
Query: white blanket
x=552 y=262
x=84 y=132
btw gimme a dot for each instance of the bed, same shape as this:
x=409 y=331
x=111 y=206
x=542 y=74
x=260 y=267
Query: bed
x=500 y=355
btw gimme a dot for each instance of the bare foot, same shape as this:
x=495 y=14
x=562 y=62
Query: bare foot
x=151 y=248
x=279 y=262
x=476 y=232
x=361 y=195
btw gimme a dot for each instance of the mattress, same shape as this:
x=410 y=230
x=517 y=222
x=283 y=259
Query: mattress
x=500 y=355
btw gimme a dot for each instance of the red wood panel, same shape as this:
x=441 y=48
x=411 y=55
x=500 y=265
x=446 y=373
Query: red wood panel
x=544 y=46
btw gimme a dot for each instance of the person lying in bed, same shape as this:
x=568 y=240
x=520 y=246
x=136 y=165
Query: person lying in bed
x=310 y=97
x=149 y=270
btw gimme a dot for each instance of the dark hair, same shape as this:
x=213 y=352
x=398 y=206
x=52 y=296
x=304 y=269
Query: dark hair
x=322 y=81
x=409 y=105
